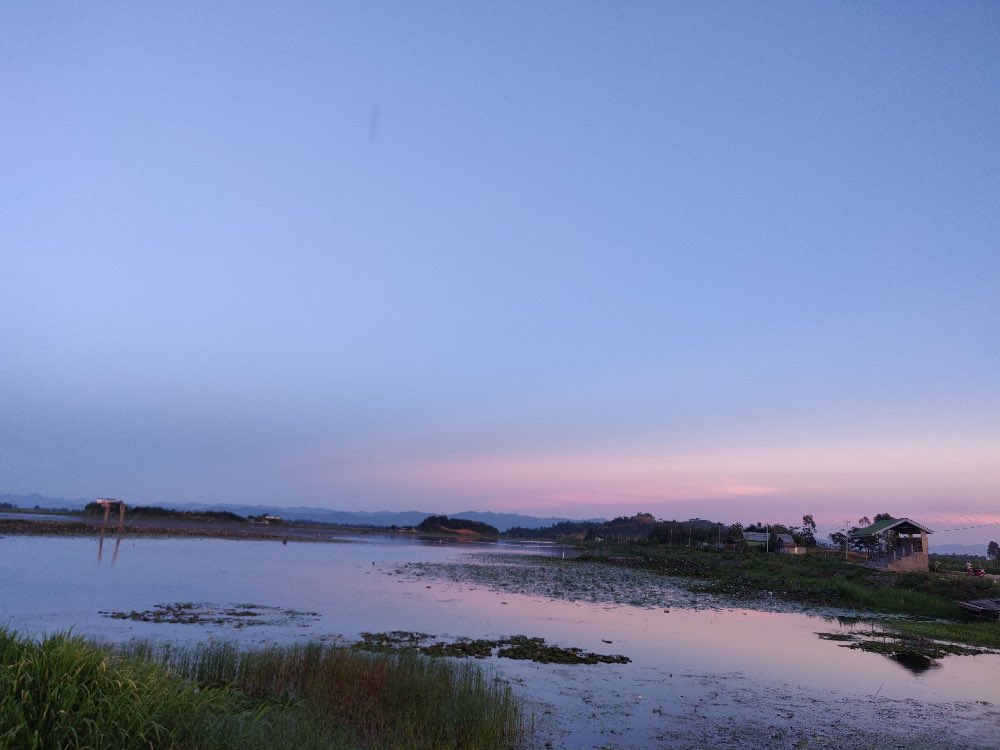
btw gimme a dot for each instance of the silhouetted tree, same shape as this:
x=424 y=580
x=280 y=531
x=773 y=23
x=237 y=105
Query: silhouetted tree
x=808 y=534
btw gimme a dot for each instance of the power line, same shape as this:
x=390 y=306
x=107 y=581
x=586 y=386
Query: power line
x=829 y=530
x=964 y=528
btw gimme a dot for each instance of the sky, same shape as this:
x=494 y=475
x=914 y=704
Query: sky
x=736 y=261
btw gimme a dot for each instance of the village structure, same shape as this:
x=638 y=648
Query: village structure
x=108 y=503
x=904 y=544
x=783 y=544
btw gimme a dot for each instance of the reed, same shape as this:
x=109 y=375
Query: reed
x=385 y=700
x=67 y=693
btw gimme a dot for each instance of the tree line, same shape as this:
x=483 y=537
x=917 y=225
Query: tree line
x=643 y=527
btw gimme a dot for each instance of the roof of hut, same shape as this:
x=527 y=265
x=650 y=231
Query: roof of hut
x=899 y=525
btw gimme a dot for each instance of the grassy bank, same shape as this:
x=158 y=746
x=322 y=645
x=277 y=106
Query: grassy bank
x=67 y=693
x=823 y=579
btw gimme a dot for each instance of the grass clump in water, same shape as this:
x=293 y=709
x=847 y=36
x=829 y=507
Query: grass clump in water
x=68 y=693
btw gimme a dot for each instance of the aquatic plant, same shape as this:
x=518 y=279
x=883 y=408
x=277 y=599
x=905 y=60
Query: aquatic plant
x=513 y=647
x=204 y=613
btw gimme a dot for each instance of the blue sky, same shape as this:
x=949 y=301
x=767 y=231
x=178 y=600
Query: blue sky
x=737 y=261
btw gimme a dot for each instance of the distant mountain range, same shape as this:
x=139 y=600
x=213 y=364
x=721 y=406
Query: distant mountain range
x=501 y=521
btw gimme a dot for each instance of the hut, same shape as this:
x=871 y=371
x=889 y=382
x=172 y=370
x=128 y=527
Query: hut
x=786 y=545
x=108 y=503
x=899 y=544
x=770 y=542
x=756 y=540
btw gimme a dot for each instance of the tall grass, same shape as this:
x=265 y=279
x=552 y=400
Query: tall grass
x=404 y=701
x=63 y=693
x=67 y=693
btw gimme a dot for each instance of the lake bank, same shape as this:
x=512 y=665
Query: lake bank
x=909 y=602
x=80 y=525
x=695 y=674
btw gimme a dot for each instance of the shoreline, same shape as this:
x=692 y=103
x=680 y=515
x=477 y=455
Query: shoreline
x=169 y=527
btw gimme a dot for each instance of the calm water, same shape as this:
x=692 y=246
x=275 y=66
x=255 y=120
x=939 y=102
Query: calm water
x=697 y=670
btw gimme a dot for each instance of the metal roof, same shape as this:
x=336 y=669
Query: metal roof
x=899 y=525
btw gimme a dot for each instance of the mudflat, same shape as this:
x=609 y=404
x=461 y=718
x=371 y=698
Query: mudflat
x=194 y=526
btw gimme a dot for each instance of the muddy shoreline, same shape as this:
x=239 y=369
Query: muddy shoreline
x=173 y=527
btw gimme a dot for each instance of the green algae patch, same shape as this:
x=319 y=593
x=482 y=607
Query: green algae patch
x=520 y=647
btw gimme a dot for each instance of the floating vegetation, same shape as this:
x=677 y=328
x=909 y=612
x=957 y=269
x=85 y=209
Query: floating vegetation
x=236 y=615
x=837 y=637
x=535 y=649
x=610 y=582
x=596 y=583
x=514 y=647
x=901 y=647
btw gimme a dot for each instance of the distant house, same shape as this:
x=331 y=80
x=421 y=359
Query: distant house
x=783 y=544
x=786 y=545
x=755 y=539
x=900 y=544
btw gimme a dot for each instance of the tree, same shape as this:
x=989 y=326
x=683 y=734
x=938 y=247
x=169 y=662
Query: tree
x=808 y=530
x=886 y=539
x=443 y=523
x=993 y=552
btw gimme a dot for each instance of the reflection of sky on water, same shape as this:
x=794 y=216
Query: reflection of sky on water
x=55 y=584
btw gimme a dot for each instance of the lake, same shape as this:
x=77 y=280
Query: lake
x=702 y=672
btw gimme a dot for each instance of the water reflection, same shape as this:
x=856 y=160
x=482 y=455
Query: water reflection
x=915 y=663
x=100 y=548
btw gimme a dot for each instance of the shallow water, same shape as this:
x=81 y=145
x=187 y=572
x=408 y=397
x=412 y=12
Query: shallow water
x=694 y=674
